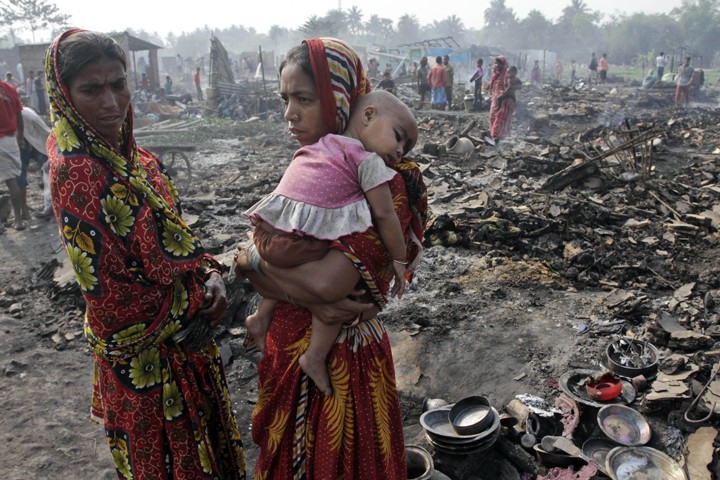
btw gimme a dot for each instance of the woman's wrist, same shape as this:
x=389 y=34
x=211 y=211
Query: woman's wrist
x=401 y=262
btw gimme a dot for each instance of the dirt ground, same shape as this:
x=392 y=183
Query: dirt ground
x=474 y=322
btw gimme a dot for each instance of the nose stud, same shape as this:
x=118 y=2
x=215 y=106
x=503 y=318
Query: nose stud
x=296 y=117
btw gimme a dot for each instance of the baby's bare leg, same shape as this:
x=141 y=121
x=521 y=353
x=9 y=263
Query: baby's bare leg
x=258 y=323
x=314 y=360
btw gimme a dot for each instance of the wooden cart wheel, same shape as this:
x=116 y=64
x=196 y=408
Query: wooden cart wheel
x=179 y=169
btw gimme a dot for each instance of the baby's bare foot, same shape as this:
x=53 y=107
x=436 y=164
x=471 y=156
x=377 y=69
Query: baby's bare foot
x=257 y=326
x=317 y=371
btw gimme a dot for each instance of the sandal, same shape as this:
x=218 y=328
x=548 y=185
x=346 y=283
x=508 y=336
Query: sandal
x=20 y=225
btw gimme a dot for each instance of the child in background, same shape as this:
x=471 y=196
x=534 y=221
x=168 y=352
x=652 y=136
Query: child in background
x=333 y=188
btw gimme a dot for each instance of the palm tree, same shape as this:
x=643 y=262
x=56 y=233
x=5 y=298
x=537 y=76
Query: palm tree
x=450 y=26
x=275 y=33
x=498 y=15
x=338 y=19
x=377 y=28
x=354 y=19
x=576 y=7
x=408 y=29
x=318 y=27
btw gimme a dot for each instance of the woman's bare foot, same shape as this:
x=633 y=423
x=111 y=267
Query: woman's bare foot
x=317 y=370
x=257 y=326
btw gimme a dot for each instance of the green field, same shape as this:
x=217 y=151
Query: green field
x=636 y=73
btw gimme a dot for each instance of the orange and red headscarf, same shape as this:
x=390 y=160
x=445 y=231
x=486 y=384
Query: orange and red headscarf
x=339 y=78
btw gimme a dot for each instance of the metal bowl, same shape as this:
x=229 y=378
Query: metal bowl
x=624 y=425
x=629 y=357
x=639 y=463
x=598 y=448
x=471 y=415
x=436 y=424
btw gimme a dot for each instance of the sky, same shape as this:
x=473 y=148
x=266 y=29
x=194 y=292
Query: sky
x=178 y=17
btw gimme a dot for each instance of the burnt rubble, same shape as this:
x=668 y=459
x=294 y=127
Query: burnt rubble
x=607 y=191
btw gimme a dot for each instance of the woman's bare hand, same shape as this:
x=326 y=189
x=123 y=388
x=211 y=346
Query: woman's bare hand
x=215 y=302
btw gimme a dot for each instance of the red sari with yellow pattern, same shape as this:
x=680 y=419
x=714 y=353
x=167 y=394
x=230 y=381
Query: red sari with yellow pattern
x=166 y=409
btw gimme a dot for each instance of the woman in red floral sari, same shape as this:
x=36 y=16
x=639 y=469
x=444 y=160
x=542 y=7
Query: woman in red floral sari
x=357 y=432
x=151 y=291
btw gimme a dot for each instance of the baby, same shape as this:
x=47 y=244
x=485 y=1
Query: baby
x=333 y=188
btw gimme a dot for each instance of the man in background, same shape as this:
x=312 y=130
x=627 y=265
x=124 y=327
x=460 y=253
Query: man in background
x=450 y=74
x=11 y=141
x=660 y=63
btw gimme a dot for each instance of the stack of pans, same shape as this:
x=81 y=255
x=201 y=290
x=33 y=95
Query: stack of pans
x=441 y=434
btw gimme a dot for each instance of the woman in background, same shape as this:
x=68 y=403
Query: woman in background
x=151 y=292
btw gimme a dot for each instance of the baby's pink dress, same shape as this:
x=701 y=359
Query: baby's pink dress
x=322 y=192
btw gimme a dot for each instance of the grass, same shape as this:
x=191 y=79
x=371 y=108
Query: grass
x=637 y=73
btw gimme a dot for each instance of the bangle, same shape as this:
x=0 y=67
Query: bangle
x=401 y=263
x=209 y=271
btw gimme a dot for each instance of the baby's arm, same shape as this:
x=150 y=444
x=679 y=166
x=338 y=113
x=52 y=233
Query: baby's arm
x=388 y=225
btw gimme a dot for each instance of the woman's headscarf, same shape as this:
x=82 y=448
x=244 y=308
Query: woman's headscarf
x=339 y=78
x=499 y=73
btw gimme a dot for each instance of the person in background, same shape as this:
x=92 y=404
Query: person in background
x=387 y=83
x=503 y=86
x=592 y=69
x=10 y=80
x=168 y=85
x=660 y=63
x=41 y=95
x=12 y=140
x=438 y=80
x=450 y=74
x=558 y=71
x=30 y=90
x=535 y=73
x=152 y=294
x=603 y=68
x=696 y=83
x=423 y=86
x=198 y=88
x=573 y=74
x=477 y=78
x=35 y=133
x=358 y=432
x=683 y=81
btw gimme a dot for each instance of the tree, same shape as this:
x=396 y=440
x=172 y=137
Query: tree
x=576 y=7
x=275 y=33
x=379 y=28
x=500 y=21
x=449 y=27
x=408 y=29
x=700 y=25
x=319 y=27
x=34 y=14
x=533 y=31
x=354 y=19
x=499 y=16
x=338 y=19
